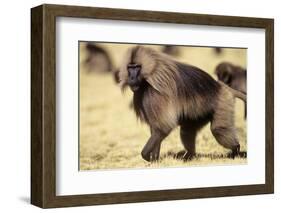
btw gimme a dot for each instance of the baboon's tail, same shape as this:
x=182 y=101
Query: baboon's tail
x=237 y=93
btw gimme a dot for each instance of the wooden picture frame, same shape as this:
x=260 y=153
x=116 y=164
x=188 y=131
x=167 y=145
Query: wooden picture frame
x=43 y=105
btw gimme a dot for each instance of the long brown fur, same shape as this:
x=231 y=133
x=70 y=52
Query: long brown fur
x=172 y=94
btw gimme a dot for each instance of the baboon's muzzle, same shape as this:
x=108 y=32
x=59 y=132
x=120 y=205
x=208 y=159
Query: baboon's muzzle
x=134 y=77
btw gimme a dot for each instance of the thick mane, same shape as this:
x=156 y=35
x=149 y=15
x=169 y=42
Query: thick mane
x=158 y=69
x=172 y=78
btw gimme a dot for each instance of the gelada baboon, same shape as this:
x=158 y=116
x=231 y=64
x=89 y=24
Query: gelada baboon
x=168 y=93
x=97 y=59
x=218 y=50
x=233 y=76
x=171 y=50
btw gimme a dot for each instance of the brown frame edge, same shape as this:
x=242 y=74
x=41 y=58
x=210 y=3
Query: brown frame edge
x=43 y=105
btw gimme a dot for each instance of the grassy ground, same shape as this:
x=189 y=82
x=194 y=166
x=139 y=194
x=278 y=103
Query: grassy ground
x=111 y=137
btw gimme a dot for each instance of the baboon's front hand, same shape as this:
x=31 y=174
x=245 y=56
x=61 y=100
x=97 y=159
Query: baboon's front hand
x=150 y=157
x=146 y=155
x=153 y=155
x=151 y=150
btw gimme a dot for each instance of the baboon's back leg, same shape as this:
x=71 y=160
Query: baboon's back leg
x=222 y=126
x=188 y=135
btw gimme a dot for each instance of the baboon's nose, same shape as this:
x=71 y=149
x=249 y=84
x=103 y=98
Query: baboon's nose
x=133 y=75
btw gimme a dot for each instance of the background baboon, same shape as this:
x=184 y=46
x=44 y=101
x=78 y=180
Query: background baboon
x=98 y=59
x=168 y=93
x=218 y=50
x=171 y=50
x=233 y=76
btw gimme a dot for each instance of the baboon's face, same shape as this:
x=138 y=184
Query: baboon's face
x=135 y=77
x=225 y=77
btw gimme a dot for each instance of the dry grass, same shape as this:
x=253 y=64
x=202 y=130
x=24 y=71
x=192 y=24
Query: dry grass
x=111 y=137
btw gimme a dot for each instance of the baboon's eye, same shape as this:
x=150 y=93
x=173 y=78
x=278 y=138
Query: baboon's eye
x=133 y=66
x=134 y=70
